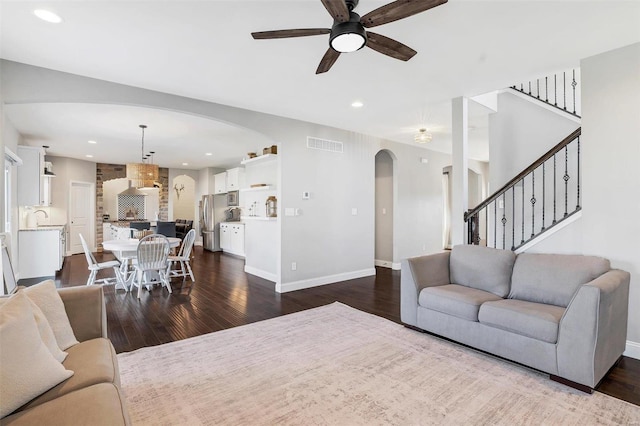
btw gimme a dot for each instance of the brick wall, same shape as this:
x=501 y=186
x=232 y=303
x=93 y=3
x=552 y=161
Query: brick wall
x=105 y=172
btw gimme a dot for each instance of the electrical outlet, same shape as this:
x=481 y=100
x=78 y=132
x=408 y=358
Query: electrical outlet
x=354 y=211
x=384 y=211
x=294 y=266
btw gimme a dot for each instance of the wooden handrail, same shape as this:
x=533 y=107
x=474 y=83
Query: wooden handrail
x=566 y=141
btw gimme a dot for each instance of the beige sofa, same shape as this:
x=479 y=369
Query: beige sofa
x=92 y=396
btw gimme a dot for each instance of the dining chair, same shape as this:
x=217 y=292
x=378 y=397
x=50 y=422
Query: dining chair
x=183 y=257
x=168 y=229
x=151 y=262
x=95 y=266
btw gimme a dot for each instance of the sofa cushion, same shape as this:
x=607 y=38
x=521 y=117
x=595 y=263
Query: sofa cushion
x=100 y=404
x=93 y=361
x=457 y=300
x=28 y=367
x=535 y=320
x=46 y=296
x=553 y=278
x=482 y=268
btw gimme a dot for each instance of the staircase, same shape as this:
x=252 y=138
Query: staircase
x=545 y=196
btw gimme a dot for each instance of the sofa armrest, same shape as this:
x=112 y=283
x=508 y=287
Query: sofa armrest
x=593 y=330
x=416 y=274
x=86 y=310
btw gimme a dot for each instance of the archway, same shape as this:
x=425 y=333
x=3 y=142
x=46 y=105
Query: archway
x=384 y=209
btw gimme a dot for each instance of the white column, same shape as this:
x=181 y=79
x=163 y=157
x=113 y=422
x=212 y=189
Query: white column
x=460 y=171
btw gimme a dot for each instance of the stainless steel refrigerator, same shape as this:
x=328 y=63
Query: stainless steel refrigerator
x=211 y=214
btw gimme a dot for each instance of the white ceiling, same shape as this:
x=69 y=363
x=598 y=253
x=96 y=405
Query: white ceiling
x=203 y=50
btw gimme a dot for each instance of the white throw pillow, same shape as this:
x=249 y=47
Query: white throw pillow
x=46 y=297
x=46 y=333
x=28 y=368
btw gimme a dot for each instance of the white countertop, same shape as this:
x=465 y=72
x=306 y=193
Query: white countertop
x=45 y=228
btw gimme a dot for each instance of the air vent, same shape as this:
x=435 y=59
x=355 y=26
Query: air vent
x=324 y=144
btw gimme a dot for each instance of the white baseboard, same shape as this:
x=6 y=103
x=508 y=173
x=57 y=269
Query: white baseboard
x=327 y=279
x=632 y=350
x=387 y=264
x=260 y=273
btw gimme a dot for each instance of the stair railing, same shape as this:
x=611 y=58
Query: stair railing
x=561 y=90
x=537 y=199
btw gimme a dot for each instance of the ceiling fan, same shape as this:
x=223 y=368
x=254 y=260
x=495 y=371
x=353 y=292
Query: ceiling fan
x=348 y=31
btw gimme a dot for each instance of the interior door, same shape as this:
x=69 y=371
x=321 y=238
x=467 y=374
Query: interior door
x=80 y=216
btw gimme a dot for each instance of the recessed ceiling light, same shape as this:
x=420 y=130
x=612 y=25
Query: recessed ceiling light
x=47 y=15
x=93 y=142
x=185 y=164
x=208 y=153
x=89 y=156
x=357 y=104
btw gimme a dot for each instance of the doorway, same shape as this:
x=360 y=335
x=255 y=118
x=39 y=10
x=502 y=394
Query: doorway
x=81 y=216
x=384 y=248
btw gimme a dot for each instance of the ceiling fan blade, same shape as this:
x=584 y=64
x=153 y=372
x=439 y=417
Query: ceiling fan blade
x=337 y=9
x=290 y=33
x=327 y=61
x=390 y=47
x=399 y=9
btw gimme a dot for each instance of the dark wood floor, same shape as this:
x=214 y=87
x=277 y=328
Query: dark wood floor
x=224 y=297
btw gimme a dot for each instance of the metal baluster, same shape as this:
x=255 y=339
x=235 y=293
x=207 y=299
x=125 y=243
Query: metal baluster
x=529 y=88
x=522 y=87
x=544 y=186
x=486 y=224
x=538 y=88
x=513 y=217
x=546 y=89
x=554 y=189
x=504 y=223
x=555 y=90
x=533 y=202
x=522 y=218
x=578 y=202
x=564 y=90
x=566 y=180
x=495 y=228
x=574 y=83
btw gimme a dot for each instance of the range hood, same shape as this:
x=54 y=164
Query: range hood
x=133 y=191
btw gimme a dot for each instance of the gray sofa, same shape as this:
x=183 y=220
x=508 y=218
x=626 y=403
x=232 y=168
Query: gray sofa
x=92 y=396
x=563 y=314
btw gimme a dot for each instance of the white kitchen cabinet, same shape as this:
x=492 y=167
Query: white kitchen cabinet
x=40 y=252
x=220 y=183
x=232 y=238
x=234 y=179
x=34 y=188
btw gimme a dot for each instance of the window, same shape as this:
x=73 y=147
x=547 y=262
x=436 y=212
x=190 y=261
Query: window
x=7 y=195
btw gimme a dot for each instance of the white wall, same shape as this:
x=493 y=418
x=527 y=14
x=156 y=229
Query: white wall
x=519 y=133
x=327 y=241
x=610 y=174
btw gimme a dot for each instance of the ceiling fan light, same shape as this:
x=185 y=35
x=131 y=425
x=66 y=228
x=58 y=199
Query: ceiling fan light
x=346 y=43
x=348 y=37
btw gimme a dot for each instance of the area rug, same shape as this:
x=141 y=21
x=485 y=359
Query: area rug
x=335 y=365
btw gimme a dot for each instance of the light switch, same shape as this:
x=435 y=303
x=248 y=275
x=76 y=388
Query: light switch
x=384 y=211
x=306 y=195
x=354 y=211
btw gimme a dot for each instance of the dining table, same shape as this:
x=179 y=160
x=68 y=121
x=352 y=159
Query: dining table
x=125 y=250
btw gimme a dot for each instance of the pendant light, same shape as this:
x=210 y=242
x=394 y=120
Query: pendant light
x=142 y=174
